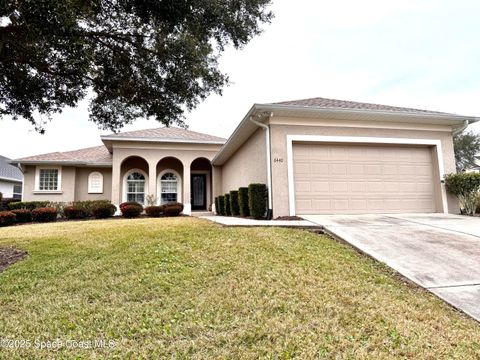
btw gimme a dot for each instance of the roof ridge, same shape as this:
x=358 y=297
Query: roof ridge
x=324 y=103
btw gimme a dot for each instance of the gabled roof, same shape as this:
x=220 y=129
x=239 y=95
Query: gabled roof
x=169 y=134
x=8 y=171
x=326 y=103
x=332 y=110
x=97 y=155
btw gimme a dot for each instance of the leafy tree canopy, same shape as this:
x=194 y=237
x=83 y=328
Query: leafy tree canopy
x=467 y=150
x=147 y=58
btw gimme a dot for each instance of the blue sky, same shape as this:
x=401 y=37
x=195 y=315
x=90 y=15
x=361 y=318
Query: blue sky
x=421 y=54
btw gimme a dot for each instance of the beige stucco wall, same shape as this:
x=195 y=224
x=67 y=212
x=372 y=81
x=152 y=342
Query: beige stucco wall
x=279 y=151
x=81 y=184
x=247 y=165
x=153 y=153
x=66 y=193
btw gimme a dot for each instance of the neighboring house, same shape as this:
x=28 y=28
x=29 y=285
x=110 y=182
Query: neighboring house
x=317 y=156
x=11 y=179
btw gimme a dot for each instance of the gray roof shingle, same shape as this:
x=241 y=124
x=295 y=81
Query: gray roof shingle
x=167 y=133
x=8 y=171
x=92 y=155
x=320 y=102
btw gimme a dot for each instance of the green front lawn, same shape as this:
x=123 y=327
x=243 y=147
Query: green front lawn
x=187 y=288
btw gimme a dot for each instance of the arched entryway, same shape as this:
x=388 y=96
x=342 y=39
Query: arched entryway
x=170 y=180
x=201 y=184
x=134 y=175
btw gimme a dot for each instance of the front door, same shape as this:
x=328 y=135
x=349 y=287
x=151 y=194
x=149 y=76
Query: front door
x=198 y=188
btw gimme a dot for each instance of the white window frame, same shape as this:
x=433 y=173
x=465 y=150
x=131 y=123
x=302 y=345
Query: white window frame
x=437 y=144
x=159 y=184
x=91 y=189
x=17 y=193
x=125 y=185
x=37 y=179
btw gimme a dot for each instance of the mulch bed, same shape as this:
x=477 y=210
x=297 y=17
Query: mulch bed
x=9 y=256
x=292 y=218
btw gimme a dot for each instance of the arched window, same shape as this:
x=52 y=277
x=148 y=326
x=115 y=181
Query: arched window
x=95 y=183
x=136 y=187
x=168 y=188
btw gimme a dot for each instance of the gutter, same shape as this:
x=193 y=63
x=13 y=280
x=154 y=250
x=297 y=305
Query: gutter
x=459 y=129
x=269 y=157
x=159 y=140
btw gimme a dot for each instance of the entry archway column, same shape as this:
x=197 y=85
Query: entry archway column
x=187 y=209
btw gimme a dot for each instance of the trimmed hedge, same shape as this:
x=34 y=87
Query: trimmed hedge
x=7 y=218
x=103 y=211
x=217 y=206
x=28 y=205
x=131 y=211
x=257 y=200
x=234 y=207
x=466 y=187
x=72 y=212
x=221 y=205
x=226 y=206
x=45 y=214
x=23 y=215
x=172 y=209
x=153 y=211
x=243 y=201
x=89 y=205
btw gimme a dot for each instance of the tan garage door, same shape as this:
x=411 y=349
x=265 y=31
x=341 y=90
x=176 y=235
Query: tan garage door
x=354 y=179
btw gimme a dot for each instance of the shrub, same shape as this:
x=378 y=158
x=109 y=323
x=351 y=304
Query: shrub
x=226 y=206
x=221 y=205
x=477 y=200
x=172 y=209
x=23 y=215
x=243 y=201
x=466 y=187
x=28 y=205
x=234 y=208
x=89 y=205
x=103 y=210
x=72 y=212
x=134 y=203
x=257 y=200
x=45 y=214
x=153 y=211
x=7 y=218
x=131 y=210
x=217 y=206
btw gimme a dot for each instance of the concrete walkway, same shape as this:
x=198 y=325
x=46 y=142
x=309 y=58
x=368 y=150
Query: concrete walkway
x=235 y=221
x=440 y=252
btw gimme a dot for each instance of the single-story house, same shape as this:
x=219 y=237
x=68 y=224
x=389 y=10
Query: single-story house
x=316 y=156
x=11 y=179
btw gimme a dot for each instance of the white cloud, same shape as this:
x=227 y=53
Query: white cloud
x=408 y=53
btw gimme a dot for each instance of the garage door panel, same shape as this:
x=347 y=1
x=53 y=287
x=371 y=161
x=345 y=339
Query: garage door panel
x=333 y=179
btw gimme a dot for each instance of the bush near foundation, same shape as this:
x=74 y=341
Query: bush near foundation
x=226 y=207
x=73 y=213
x=234 y=207
x=89 y=205
x=217 y=206
x=153 y=211
x=172 y=209
x=257 y=200
x=45 y=214
x=103 y=210
x=466 y=187
x=28 y=205
x=131 y=210
x=22 y=215
x=243 y=201
x=7 y=218
x=221 y=205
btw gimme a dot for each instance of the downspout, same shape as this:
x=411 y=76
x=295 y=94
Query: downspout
x=269 y=157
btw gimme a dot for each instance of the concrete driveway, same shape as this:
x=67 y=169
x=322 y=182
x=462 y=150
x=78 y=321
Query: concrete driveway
x=439 y=252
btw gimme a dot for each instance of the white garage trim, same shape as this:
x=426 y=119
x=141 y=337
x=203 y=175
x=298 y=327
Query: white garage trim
x=359 y=140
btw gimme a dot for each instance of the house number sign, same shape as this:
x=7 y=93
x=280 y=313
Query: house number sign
x=278 y=160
